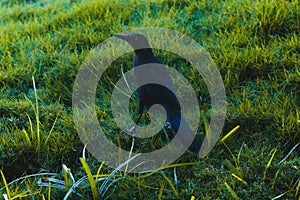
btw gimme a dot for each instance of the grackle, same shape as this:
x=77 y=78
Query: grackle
x=151 y=93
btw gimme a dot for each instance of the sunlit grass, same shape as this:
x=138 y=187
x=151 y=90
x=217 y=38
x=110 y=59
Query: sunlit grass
x=256 y=47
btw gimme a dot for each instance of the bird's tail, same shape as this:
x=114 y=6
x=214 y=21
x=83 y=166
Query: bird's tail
x=179 y=124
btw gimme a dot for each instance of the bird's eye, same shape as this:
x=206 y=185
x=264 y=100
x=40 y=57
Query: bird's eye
x=136 y=38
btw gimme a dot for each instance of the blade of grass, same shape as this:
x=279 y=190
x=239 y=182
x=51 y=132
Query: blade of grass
x=239 y=154
x=27 y=138
x=238 y=178
x=165 y=167
x=130 y=153
x=36 y=113
x=72 y=189
x=234 y=195
x=5 y=185
x=90 y=179
x=269 y=162
x=175 y=176
x=235 y=129
x=66 y=177
x=279 y=196
x=52 y=127
x=5 y=197
x=131 y=92
x=113 y=182
x=99 y=169
x=83 y=152
x=119 y=88
x=103 y=187
x=171 y=185
x=31 y=127
x=236 y=167
x=290 y=152
x=49 y=191
x=297 y=189
x=162 y=187
x=28 y=176
x=55 y=183
x=249 y=154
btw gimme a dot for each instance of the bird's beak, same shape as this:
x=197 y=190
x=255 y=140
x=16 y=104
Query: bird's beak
x=121 y=36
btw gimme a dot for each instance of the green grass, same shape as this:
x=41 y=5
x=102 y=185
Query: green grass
x=255 y=45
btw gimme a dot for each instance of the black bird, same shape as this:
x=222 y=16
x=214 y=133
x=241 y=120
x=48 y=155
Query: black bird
x=151 y=93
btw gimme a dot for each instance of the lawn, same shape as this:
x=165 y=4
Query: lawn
x=255 y=46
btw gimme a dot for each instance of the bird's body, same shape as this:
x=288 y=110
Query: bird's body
x=150 y=94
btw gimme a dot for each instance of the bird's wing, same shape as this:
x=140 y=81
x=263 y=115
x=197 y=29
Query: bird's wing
x=155 y=93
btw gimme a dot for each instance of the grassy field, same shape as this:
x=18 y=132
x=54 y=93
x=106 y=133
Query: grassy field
x=255 y=45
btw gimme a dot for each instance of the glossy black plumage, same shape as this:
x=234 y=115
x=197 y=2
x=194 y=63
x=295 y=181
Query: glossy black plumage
x=151 y=94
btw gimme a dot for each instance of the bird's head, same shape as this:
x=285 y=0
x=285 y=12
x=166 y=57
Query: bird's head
x=136 y=40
